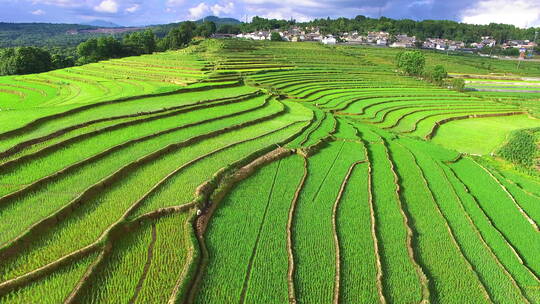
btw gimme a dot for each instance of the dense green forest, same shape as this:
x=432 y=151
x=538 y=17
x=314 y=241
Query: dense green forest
x=40 y=47
x=224 y=25
x=51 y=35
x=43 y=34
x=27 y=59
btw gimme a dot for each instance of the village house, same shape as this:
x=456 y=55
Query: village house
x=285 y=36
x=297 y=38
x=378 y=38
x=443 y=44
x=488 y=41
x=382 y=41
x=329 y=40
x=404 y=41
x=353 y=38
x=314 y=30
x=519 y=44
x=313 y=37
x=296 y=31
x=260 y=35
x=435 y=43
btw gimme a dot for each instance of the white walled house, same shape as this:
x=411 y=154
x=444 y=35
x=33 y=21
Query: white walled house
x=382 y=41
x=329 y=40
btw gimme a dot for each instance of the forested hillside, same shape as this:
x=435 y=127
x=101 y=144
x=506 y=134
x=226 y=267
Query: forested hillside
x=43 y=34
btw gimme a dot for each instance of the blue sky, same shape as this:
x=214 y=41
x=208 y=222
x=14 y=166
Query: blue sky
x=522 y=13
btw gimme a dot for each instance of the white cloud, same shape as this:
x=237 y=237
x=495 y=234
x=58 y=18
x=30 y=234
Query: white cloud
x=203 y=9
x=283 y=13
x=199 y=11
x=217 y=9
x=421 y=3
x=175 y=2
x=521 y=13
x=61 y=3
x=38 y=12
x=296 y=4
x=133 y=9
x=107 y=6
x=305 y=10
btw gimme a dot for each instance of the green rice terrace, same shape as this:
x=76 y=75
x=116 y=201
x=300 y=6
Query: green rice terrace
x=258 y=172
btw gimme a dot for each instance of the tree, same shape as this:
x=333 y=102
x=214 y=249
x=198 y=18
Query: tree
x=457 y=84
x=229 y=29
x=96 y=49
x=275 y=36
x=411 y=62
x=108 y=47
x=207 y=29
x=258 y=23
x=510 y=52
x=437 y=74
x=7 y=61
x=60 y=61
x=139 y=43
x=25 y=60
x=178 y=37
x=87 y=48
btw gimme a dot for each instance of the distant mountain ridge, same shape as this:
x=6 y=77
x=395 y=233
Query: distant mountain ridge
x=102 y=23
x=219 y=21
x=162 y=29
x=70 y=35
x=40 y=34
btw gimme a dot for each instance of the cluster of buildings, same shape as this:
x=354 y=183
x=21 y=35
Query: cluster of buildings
x=294 y=34
x=297 y=34
x=519 y=44
x=374 y=38
x=443 y=44
x=313 y=34
x=484 y=42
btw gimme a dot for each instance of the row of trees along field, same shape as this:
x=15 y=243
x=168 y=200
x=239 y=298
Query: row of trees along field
x=27 y=60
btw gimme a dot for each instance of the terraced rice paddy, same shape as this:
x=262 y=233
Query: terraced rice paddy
x=244 y=172
x=509 y=88
x=481 y=135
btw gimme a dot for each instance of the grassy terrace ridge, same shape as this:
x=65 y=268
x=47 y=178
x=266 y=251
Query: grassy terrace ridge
x=267 y=172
